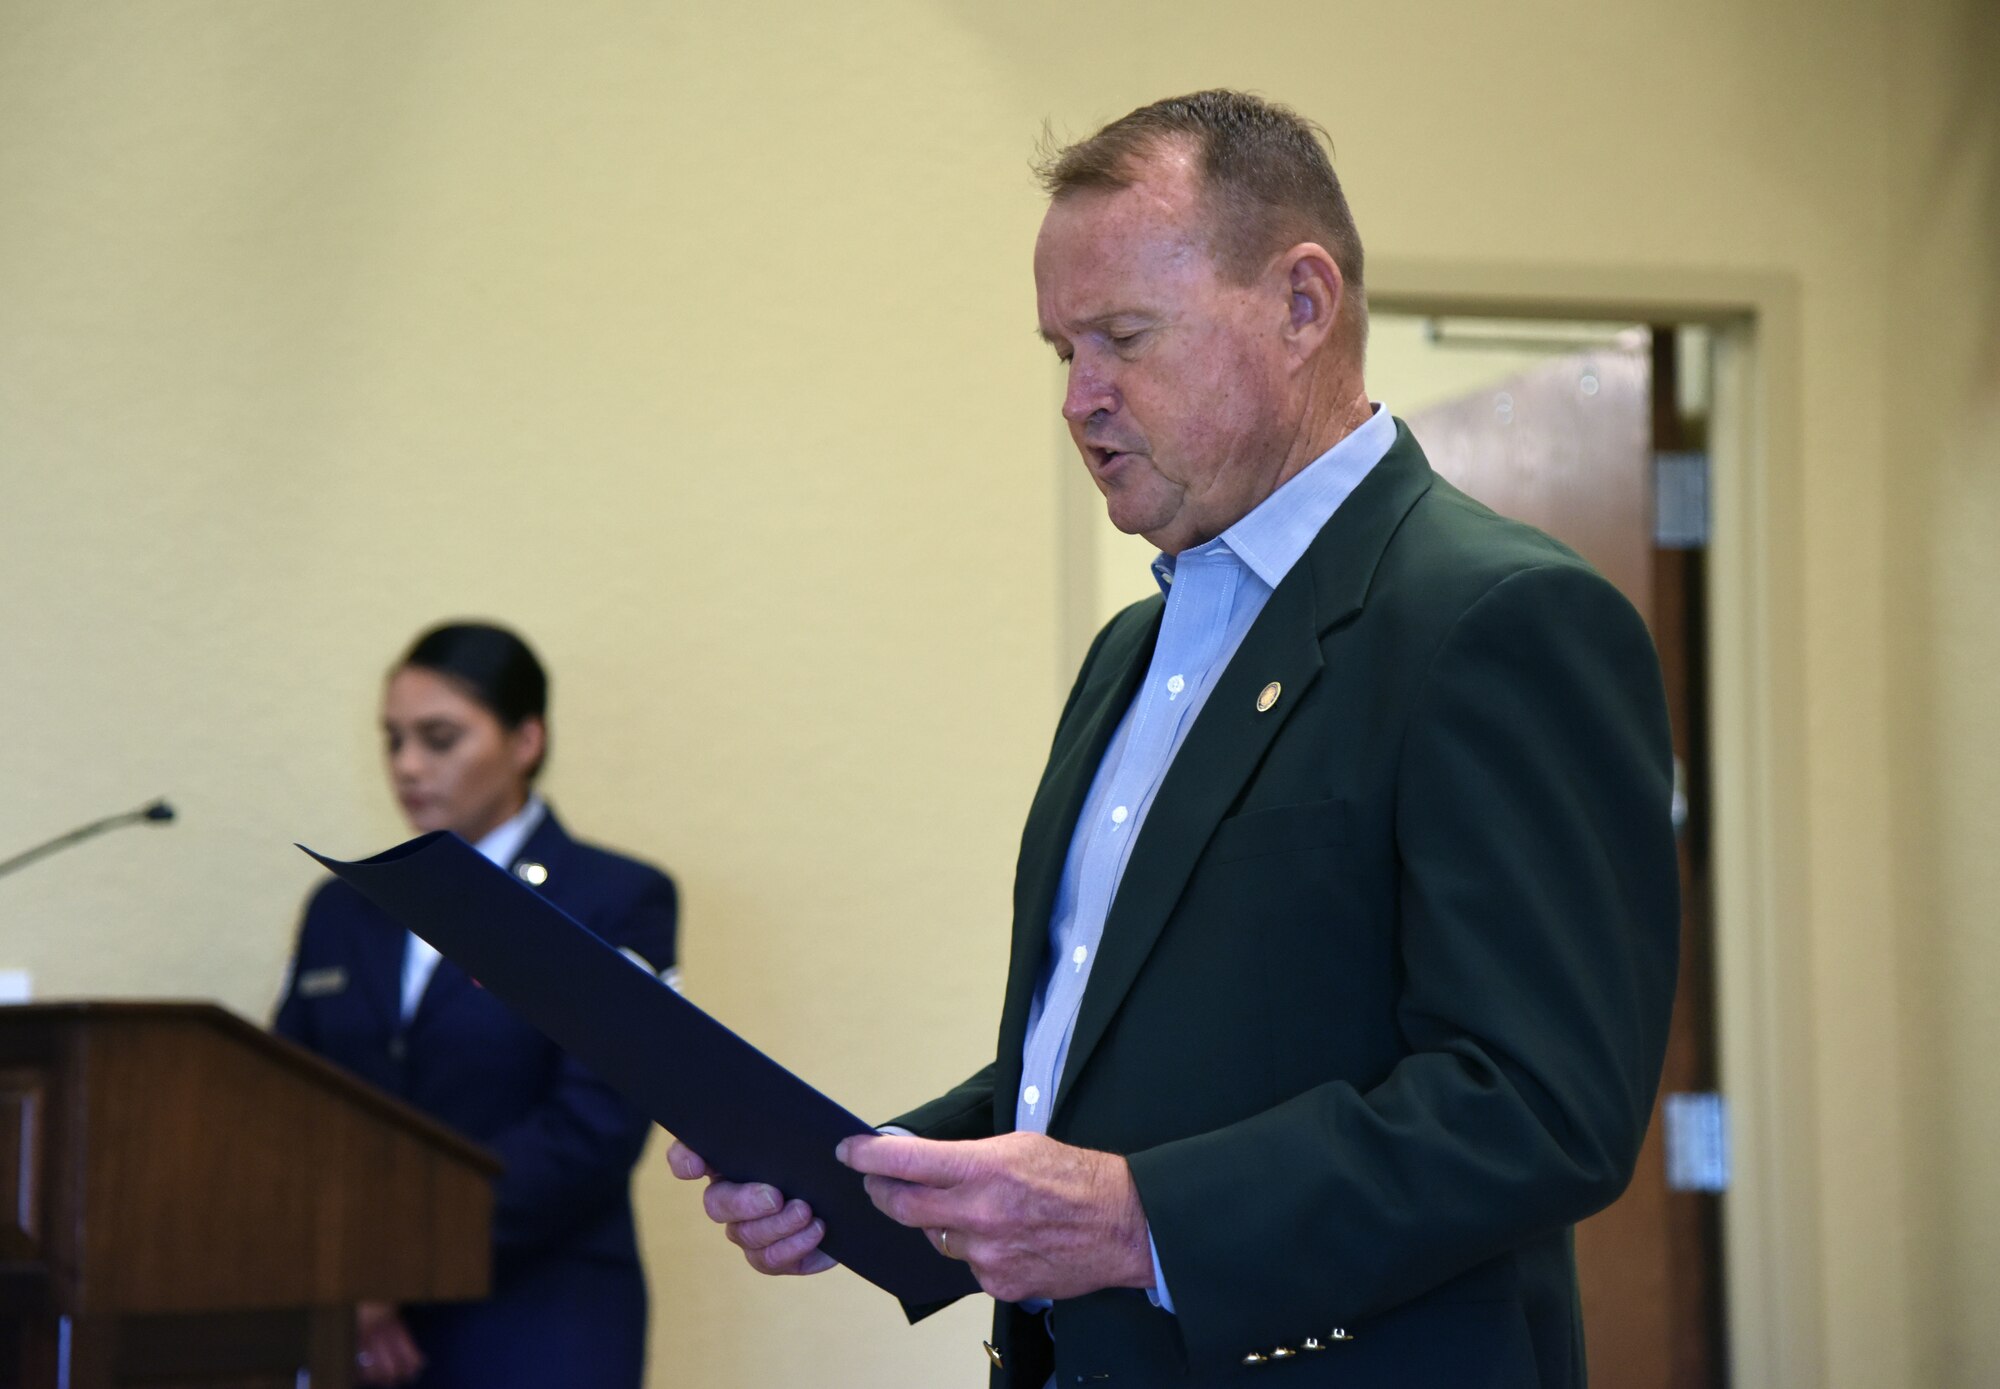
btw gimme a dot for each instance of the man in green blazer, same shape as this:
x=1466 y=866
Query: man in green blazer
x=1346 y=912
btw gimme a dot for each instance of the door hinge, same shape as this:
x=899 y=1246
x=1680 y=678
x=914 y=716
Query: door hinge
x=1697 y=1134
x=1680 y=501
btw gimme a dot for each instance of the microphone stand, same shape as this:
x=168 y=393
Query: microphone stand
x=158 y=812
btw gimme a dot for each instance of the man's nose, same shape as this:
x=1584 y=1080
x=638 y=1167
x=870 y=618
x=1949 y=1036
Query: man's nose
x=1087 y=394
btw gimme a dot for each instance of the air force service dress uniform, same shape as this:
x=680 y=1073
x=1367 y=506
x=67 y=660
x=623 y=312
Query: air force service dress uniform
x=568 y=1305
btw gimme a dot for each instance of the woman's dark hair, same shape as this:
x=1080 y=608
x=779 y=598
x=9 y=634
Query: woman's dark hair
x=491 y=665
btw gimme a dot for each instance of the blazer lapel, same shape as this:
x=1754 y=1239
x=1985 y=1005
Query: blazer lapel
x=548 y=845
x=1232 y=733
x=1080 y=743
x=380 y=966
x=447 y=982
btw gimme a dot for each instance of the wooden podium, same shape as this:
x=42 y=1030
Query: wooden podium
x=186 y=1200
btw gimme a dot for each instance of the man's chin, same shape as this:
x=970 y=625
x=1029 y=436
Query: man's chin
x=1162 y=534
x=1135 y=516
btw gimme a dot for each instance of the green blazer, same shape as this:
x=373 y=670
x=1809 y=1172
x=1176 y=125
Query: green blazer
x=1382 y=1000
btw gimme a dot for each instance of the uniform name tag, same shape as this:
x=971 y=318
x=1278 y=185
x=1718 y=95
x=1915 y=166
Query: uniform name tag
x=318 y=983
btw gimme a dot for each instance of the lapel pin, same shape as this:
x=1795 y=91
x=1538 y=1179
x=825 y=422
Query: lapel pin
x=1268 y=696
x=531 y=873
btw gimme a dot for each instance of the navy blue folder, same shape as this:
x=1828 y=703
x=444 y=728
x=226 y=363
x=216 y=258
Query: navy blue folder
x=748 y=1116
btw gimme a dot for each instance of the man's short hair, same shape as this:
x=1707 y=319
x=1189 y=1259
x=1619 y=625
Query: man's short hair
x=1267 y=179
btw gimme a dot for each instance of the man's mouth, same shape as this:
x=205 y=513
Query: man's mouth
x=1102 y=458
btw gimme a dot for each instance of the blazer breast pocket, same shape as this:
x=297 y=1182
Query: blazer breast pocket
x=1279 y=829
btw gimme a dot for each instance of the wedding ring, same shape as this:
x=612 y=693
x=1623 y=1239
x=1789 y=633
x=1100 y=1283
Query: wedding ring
x=944 y=1242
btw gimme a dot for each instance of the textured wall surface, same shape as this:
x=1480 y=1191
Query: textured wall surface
x=698 y=343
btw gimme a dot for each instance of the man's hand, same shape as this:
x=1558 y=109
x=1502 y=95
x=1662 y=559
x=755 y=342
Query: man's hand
x=777 y=1236
x=1033 y=1217
x=384 y=1351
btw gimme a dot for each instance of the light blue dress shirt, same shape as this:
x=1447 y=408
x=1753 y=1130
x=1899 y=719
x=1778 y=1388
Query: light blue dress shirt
x=1214 y=593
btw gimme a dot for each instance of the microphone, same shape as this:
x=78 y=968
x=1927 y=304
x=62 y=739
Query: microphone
x=158 y=812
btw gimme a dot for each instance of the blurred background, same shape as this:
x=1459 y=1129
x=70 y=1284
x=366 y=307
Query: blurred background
x=697 y=343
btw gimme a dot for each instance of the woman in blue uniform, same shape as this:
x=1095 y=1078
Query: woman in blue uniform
x=465 y=718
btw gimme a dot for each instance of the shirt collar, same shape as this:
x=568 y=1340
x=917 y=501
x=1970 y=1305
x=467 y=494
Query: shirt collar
x=1269 y=541
x=504 y=842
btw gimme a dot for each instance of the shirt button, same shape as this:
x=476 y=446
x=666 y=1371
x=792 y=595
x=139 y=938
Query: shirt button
x=1032 y=1095
x=1118 y=814
x=1079 y=955
x=1175 y=684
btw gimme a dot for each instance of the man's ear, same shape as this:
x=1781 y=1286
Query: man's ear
x=1315 y=291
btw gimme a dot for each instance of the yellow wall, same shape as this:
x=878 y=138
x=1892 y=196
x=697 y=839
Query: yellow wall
x=1942 y=474
x=697 y=341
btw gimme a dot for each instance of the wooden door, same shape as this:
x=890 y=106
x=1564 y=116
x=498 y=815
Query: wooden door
x=1568 y=446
